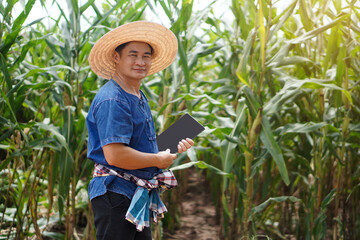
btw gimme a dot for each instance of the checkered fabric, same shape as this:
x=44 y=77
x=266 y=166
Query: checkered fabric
x=147 y=195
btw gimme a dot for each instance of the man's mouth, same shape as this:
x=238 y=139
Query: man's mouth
x=139 y=69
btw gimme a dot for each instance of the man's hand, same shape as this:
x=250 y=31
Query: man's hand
x=184 y=145
x=165 y=159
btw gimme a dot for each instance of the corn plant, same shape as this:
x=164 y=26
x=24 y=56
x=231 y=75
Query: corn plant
x=44 y=102
x=277 y=90
x=285 y=91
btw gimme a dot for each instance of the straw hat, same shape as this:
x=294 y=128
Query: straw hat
x=161 y=39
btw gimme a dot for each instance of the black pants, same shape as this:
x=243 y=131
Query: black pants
x=109 y=217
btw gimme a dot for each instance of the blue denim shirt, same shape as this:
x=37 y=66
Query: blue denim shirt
x=116 y=116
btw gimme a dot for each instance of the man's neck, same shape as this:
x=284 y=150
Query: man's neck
x=131 y=86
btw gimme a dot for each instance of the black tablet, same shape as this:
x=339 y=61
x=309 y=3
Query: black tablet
x=185 y=127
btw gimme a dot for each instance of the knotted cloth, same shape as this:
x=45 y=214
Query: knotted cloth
x=146 y=196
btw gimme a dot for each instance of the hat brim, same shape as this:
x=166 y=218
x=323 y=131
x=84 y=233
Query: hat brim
x=162 y=40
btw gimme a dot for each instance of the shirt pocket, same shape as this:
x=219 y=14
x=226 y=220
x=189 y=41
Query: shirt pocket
x=150 y=129
x=148 y=120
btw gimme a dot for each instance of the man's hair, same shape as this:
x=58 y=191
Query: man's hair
x=122 y=46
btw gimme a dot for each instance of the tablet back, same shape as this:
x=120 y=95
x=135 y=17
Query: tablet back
x=185 y=127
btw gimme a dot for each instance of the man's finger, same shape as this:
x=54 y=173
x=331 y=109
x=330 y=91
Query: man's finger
x=186 y=143
x=190 y=141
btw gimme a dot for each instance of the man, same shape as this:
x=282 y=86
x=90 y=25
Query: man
x=121 y=129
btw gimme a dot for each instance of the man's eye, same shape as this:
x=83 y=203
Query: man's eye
x=132 y=55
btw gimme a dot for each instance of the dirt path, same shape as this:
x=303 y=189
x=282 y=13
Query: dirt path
x=198 y=217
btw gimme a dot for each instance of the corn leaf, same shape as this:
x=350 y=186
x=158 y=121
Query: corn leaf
x=315 y=32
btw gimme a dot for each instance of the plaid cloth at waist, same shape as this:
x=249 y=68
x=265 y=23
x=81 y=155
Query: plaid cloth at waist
x=137 y=213
x=165 y=180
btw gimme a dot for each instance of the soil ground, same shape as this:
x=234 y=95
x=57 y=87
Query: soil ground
x=198 y=215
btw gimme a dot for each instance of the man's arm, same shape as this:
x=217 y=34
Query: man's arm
x=118 y=155
x=122 y=156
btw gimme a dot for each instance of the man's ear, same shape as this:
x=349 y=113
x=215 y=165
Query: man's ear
x=116 y=57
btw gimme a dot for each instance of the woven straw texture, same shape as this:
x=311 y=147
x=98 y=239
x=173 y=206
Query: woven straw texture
x=161 y=39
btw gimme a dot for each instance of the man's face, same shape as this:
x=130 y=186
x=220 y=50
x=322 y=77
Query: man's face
x=134 y=62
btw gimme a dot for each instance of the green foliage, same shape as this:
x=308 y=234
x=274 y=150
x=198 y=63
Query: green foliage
x=277 y=89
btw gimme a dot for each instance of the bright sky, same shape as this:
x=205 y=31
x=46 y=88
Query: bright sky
x=219 y=8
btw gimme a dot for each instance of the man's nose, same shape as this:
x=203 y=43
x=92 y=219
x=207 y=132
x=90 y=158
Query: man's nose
x=140 y=61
